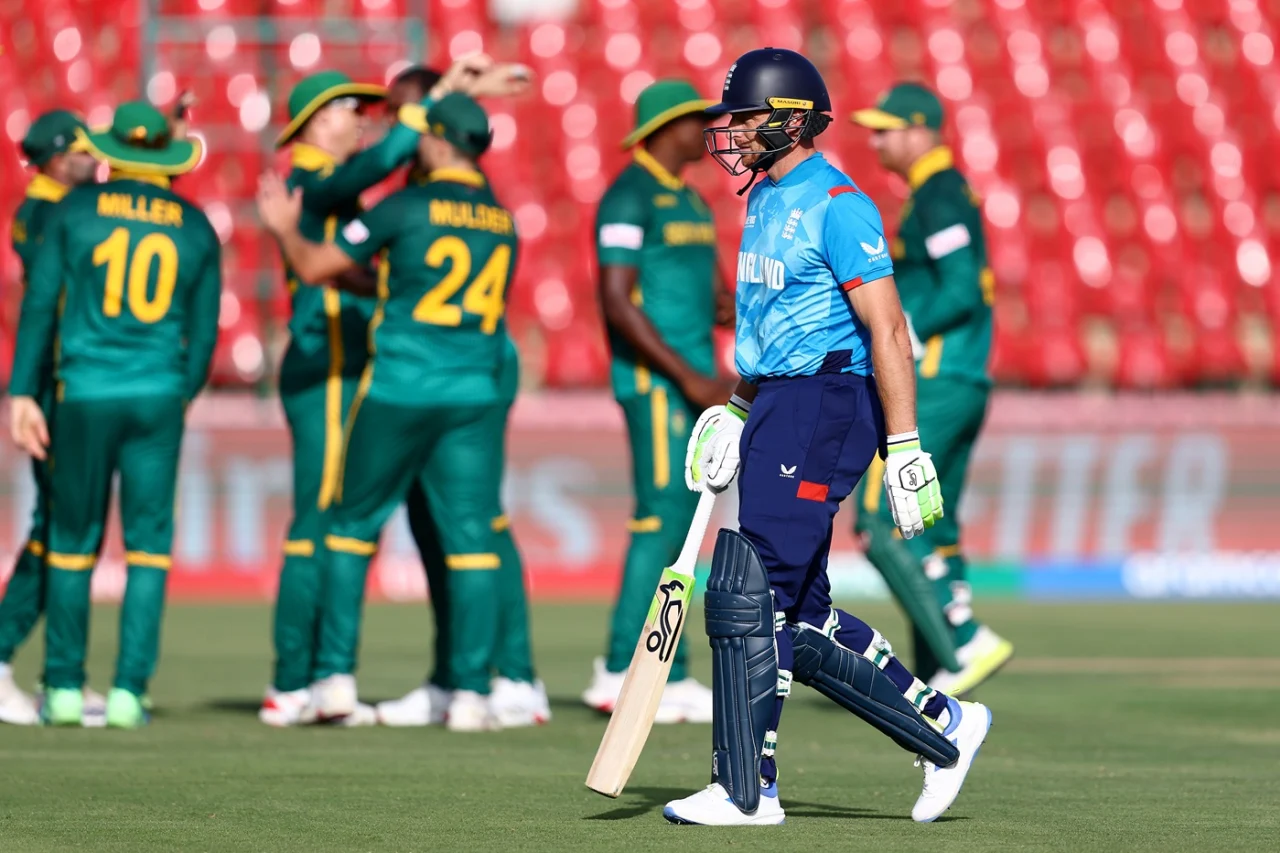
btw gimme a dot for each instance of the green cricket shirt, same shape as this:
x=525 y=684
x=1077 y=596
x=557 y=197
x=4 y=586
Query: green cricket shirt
x=649 y=219
x=438 y=335
x=135 y=270
x=940 y=265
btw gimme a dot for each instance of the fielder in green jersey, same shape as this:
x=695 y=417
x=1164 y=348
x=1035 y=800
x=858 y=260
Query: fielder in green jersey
x=660 y=291
x=946 y=287
x=129 y=278
x=52 y=146
x=421 y=407
x=517 y=697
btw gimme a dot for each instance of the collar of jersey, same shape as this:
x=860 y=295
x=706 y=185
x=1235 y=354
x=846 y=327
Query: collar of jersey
x=930 y=163
x=457 y=176
x=45 y=188
x=309 y=157
x=659 y=172
x=125 y=175
x=800 y=172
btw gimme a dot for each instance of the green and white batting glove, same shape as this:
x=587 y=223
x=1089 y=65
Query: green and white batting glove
x=711 y=458
x=912 y=485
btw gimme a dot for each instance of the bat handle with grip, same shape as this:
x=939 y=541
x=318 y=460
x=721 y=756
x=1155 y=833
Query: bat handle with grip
x=688 y=558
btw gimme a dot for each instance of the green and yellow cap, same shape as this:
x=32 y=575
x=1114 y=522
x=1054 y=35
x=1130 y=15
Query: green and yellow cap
x=139 y=140
x=455 y=118
x=905 y=105
x=661 y=102
x=53 y=133
x=318 y=89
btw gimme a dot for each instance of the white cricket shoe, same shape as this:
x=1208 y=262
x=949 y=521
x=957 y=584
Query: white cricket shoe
x=979 y=659
x=516 y=704
x=967 y=729
x=363 y=715
x=427 y=705
x=332 y=697
x=17 y=707
x=687 y=701
x=605 y=687
x=283 y=708
x=712 y=806
x=469 y=712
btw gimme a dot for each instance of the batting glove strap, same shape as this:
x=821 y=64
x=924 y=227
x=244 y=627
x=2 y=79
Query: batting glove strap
x=739 y=407
x=903 y=441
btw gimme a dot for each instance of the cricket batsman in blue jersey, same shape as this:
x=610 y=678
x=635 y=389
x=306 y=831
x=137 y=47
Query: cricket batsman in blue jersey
x=828 y=382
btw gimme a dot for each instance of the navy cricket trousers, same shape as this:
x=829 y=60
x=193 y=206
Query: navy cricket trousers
x=805 y=446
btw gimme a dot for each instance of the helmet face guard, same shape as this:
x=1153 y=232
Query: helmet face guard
x=789 y=121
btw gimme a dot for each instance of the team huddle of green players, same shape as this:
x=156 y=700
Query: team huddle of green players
x=398 y=380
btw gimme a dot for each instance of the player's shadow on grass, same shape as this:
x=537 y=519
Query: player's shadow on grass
x=234 y=706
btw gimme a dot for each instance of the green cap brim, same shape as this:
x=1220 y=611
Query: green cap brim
x=178 y=157
x=879 y=120
x=669 y=114
x=365 y=91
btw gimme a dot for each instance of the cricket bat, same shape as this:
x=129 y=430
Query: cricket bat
x=650 y=665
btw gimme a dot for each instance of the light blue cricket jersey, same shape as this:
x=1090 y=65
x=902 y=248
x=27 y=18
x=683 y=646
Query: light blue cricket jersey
x=808 y=238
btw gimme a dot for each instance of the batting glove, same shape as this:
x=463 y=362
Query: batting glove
x=711 y=459
x=912 y=485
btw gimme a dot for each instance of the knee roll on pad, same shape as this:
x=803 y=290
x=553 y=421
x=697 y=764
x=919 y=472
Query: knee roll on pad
x=855 y=683
x=744 y=665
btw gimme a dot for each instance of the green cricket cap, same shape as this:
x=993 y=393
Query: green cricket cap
x=316 y=90
x=661 y=102
x=139 y=140
x=455 y=118
x=905 y=105
x=53 y=133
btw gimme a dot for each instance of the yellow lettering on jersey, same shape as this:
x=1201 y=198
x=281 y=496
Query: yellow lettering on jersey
x=463 y=214
x=689 y=234
x=157 y=211
x=665 y=200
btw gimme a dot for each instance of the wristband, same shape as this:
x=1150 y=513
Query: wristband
x=739 y=407
x=903 y=441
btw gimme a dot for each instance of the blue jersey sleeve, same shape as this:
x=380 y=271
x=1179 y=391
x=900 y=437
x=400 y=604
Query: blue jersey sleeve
x=853 y=239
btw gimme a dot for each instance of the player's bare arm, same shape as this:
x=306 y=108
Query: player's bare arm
x=617 y=283
x=280 y=211
x=876 y=305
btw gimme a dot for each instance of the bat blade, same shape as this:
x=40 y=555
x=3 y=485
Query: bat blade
x=637 y=704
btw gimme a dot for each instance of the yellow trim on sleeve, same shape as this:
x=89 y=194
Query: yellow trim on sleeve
x=932 y=357
x=945 y=551
x=929 y=164
x=36 y=548
x=873 y=478
x=472 y=562
x=347 y=545
x=149 y=561
x=500 y=523
x=333 y=414
x=661 y=438
x=648 y=524
x=299 y=548
x=72 y=562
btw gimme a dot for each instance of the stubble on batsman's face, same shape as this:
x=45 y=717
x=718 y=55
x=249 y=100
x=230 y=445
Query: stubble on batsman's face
x=742 y=127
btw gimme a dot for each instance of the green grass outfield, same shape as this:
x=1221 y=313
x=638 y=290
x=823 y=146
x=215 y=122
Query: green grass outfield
x=1119 y=727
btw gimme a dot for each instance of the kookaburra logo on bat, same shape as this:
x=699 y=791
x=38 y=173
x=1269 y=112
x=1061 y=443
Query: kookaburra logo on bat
x=662 y=639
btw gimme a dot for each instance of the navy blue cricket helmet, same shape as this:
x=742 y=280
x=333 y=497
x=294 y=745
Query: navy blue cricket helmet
x=781 y=82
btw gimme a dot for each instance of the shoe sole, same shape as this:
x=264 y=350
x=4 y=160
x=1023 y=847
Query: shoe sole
x=672 y=817
x=990 y=723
